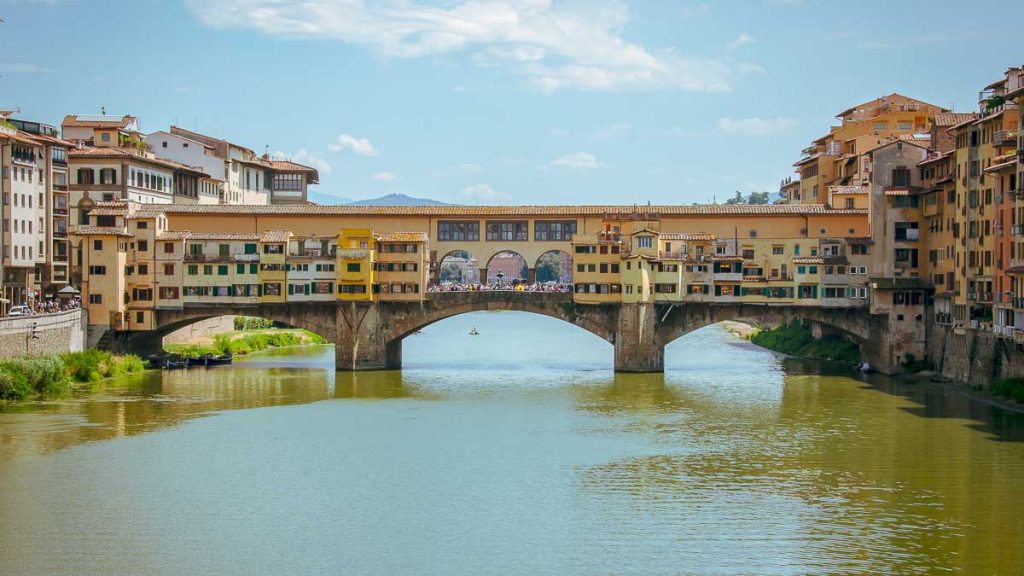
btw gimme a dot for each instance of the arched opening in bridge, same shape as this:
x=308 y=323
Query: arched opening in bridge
x=554 y=266
x=529 y=347
x=507 y=267
x=235 y=334
x=458 y=267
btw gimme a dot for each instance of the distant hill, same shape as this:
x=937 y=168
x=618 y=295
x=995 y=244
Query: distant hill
x=327 y=199
x=398 y=200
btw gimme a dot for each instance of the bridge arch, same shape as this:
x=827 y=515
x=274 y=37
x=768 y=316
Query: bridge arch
x=554 y=266
x=506 y=265
x=458 y=266
x=677 y=321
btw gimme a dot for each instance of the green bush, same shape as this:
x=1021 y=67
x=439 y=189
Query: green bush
x=24 y=377
x=1012 y=388
x=795 y=339
x=250 y=323
x=86 y=366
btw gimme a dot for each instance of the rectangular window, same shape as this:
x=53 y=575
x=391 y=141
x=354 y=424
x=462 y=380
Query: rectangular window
x=97 y=270
x=645 y=241
x=168 y=248
x=95 y=298
x=97 y=245
x=507 y=231
x=456 y=230
x=547 y=230
x=222 y=270
x=352 y=267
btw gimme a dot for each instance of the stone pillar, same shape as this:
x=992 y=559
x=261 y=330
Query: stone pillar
x=483 y=276
x=636 y=346
x=361 y=342
x=531 y=274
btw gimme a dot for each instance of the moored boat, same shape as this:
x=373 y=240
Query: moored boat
x=218 y=360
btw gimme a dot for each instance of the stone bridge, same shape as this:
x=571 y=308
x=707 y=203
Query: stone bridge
x=369 y=336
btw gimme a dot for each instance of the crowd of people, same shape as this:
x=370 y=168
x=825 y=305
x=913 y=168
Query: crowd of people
x=51 y=306
x=508 y=286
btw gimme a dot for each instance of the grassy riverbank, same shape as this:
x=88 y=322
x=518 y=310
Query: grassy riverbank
x=1009 y=388
x=795 y=339
x=241 y=342
x=52 y=376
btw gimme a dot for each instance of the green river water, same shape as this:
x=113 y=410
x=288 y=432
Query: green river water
x=519 y=452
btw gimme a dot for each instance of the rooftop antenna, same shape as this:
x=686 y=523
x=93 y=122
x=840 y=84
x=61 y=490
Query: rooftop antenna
x=103 y=110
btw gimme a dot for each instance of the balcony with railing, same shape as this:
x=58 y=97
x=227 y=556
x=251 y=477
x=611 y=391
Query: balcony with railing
x=1004 y=138
x=672 y=255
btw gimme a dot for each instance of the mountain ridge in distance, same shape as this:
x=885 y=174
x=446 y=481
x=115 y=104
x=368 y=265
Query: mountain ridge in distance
x=386 y=200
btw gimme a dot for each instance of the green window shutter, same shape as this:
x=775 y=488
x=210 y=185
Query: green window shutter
x=291 y=289
x=222 y=270
x=253 y=268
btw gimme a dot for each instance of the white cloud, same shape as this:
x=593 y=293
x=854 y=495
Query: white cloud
x=20 y=68
x=553 y=45
x=741 y=40
x=750 y=68
x=577 y=161
x=756 y=126
x=385 y=177
x=303 y=156
x=348 y=143
x=482 y=192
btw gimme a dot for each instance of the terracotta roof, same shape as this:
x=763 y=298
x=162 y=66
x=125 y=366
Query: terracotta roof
x=103 y=211
x=292 y=166
x=954 y=118
x=112 y=152
x=97 y=231
x=187 y=235
x=45 y=139
x=808 y=260
x=485 y=211
x=403 y=237
x=841 y=190
x=17 y=136
x=915 y=137
x=897 y=191
x=275 y=236
x=97 y=121
x=688 y=236
x=1002 y=166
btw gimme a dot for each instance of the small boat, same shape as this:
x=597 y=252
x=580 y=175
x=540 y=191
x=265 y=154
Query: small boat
x=196 y=361
x=175 y=364
x=217 y=360
x=473 y=332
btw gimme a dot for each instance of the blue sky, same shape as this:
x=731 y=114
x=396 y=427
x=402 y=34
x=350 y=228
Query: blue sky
x=504 y=101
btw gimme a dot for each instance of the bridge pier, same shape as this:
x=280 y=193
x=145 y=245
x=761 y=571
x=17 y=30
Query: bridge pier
x=361 y=341
x=637 y=348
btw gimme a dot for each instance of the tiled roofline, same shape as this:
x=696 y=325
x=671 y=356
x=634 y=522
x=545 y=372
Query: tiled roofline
x=526 y=210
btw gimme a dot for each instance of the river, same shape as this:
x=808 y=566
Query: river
x=517 y=451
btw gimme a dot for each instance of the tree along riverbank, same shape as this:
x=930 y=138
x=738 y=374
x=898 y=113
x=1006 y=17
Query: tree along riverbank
x=39 y=377
x=796 y=339
x=241 y=342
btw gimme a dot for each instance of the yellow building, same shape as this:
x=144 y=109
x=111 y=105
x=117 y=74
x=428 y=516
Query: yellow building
x=356 y=275
x=401 y=266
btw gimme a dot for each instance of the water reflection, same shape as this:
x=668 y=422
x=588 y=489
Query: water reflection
x=154 y=400
x=733 y=461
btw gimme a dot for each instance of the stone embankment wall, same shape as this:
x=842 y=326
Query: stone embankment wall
x=54 y=334
x=974 y=357
x=202 y=330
